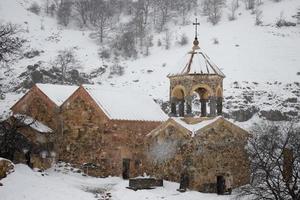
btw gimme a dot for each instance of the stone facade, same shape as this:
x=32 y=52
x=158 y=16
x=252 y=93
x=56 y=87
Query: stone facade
x=84 y=135
x=37 y=105
x=6 y=167
x=217 y=150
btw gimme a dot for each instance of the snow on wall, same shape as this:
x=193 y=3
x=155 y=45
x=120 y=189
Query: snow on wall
x=126 y=104
x=36 y=125
x=195 y=127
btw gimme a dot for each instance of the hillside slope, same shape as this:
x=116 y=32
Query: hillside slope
x=244 y=52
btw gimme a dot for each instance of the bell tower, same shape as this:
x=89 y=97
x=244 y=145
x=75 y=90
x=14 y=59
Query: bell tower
x=201 y=76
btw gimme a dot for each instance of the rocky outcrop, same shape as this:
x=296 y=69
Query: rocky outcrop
x=37 y=74
x=32 y=53
x=243 y=115
x=274 y=115
x=6 y=167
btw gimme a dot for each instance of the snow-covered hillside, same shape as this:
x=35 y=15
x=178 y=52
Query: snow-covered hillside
x=67 y=185
x=244 y=52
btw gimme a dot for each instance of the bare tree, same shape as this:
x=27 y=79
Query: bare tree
x=233 y=8
x=126 y=43
x=183 y=8
x=139 y=20
x=82 y=8
x=258 y=17
x=64 y=12
x=10 y=42
x=167 y=39
x=249 y=4
x=275 y=163
x=163 y=8
x=100 y=14
x=65 y=61
x=213 y=9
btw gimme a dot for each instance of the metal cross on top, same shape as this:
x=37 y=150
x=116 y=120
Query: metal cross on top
x=196 y=24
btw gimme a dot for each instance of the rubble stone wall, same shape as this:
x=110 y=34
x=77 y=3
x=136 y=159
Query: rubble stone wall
x=215 y=151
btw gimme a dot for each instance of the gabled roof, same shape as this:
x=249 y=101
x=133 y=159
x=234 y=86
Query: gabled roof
x=57 y=93
x=120 y=104
x=194 y=128
x=196 y=62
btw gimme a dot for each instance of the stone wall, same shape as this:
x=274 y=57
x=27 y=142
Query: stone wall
x=89 y=136
x=6 y=167
x=215 y=151
x=37 y=105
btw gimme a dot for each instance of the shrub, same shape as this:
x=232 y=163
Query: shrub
x=117 y=69
x=35 y=8
x=183 y=40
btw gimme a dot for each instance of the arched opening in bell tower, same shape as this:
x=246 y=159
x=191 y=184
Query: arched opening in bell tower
x=177 y=101
x=202 y=95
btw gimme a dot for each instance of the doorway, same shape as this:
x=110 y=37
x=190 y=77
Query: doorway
x=220 y=185
x=126 y=168
x=184 y=182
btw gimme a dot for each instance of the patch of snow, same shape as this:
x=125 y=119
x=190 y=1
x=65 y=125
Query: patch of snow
x=126 y=104
x=36 y=125
x=27 y=184
x=57 y=93
x=197 y=126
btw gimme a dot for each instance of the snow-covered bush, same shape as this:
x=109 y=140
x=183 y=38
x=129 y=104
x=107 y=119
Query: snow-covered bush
x=64 y=12
x=233 y=8
x=104 y=54
x=213 y=10
x=258 y=17
x=281 y=21
x=215 y=41
x=65 y=61
x=125 y=45
x=249 y=4
x=10 y=42
x=159 y=43
x=183 y=40
x=35 y=8
x=167 y=39
x=117 y=69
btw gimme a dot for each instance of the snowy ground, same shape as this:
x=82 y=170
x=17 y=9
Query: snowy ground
x=29 y=185
x=245 y=52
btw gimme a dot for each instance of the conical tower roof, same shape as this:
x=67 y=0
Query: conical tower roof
x=197 y=62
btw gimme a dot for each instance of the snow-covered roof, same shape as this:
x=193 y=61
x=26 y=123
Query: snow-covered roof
x=196 y=62
x=193 y=128
x=57 y=93
x=34 y=124
x=125 y=104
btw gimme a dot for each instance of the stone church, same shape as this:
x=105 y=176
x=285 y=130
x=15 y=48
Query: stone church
x=107 y=131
